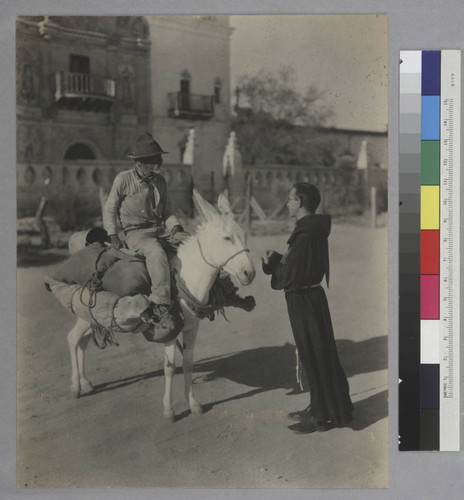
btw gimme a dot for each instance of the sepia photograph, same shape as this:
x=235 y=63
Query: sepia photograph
x=202 y=251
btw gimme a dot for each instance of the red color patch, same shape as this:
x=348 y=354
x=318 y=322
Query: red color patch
x=430 y=252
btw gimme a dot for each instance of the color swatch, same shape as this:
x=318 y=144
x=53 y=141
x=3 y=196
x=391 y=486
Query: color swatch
x=428 y=250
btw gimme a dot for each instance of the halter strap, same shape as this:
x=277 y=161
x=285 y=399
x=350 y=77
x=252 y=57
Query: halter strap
x=226 y=262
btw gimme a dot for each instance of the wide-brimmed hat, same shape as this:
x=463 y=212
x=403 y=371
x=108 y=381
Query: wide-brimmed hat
x=145 y=147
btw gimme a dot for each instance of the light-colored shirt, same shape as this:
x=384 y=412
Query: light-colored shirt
x=129 y=200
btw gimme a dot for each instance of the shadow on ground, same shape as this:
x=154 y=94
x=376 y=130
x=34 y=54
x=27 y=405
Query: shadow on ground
x=269 y=368
x=369 y=411
x=369 y=355
x=274 y=367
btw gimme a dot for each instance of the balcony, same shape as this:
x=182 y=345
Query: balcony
x=84 y=92
x=192 y=106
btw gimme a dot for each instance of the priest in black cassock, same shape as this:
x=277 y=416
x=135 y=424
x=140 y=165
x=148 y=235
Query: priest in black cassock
x=299 y=273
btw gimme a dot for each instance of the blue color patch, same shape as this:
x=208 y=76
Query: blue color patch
x=431 y=72
x=430 y=118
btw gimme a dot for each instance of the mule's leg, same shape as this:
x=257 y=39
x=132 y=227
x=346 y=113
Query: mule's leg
x=74 y=337
x=169 y=369
x=86 y=386
x=189 y=337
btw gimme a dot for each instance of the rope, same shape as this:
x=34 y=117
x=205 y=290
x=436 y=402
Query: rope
x=226 y=262
x=114 y=323
x=217 y=300
x=105 y=335
x=100 y=334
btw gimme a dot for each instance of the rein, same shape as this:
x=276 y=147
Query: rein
x=226 y=262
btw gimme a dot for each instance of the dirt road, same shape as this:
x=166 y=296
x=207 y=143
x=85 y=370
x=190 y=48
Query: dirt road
x=244 y=375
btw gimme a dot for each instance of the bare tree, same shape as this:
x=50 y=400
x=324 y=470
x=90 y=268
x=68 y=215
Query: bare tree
x=276 y=123
x=275 y=94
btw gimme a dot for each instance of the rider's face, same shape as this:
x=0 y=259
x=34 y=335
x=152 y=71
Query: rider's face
x=154 y=165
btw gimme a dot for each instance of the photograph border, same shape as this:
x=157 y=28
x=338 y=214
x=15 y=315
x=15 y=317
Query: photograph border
x=411 y=26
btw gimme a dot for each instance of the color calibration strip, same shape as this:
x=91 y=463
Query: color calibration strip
x=429 y=393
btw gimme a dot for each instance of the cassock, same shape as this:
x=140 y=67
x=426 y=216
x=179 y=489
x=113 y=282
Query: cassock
x=299 y=273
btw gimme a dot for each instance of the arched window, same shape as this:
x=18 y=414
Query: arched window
x=79 y=151
x=217 y=90
x=185 y=78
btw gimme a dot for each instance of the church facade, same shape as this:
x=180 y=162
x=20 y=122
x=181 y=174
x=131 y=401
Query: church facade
x=87 y=87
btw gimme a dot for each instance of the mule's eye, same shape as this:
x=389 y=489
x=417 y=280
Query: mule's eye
x=227 y=238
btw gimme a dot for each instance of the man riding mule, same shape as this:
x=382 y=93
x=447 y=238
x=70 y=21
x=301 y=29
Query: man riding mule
x=139 y=199
x=219 y=244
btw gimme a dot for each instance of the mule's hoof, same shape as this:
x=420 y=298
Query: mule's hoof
x=75 y=393
x=86 y=388
x=169 y=415
x=196 y=409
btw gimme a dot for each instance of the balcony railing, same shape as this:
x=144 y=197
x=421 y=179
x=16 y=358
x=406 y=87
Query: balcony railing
x=83 y=86
x=184 y=105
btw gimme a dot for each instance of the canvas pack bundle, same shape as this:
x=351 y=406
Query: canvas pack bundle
x=97 y=308
x=120 y=273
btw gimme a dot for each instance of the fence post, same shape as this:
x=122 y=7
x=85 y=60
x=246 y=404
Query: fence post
x=40 y=222
x=191 y=206
x=247 y=207
x=213 y=186
x=373 y=207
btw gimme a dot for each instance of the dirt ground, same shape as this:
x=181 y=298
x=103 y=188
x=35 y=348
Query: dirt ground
x=244 y=375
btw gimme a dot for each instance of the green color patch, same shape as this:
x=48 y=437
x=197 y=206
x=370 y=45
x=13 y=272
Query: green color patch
x=430 y=162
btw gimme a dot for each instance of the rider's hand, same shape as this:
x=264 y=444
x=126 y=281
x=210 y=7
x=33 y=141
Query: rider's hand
x=177 y=229
x=115 y=241
x=178 y=237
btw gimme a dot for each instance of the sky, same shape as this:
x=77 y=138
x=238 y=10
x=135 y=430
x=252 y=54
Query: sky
x=345 y=56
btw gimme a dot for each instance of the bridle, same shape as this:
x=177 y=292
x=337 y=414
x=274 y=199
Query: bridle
x=226 y=262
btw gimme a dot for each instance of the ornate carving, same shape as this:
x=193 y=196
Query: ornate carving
x=45 y=28
x=27 y=81
x=122 y=22
x=113 y=26
x=126 y=83
x=29 y=175
x=29 y=143
x=139 y=28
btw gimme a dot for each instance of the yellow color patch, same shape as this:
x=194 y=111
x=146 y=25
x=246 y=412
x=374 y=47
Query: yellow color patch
x=430 y=207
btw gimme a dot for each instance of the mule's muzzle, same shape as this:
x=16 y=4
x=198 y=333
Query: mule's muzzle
x=246 y=276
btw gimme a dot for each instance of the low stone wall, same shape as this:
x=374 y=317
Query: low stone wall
x=343 y=191
x=75 y=190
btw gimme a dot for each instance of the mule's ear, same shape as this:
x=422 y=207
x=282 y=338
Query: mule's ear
x=224 y=205
x=206 y=209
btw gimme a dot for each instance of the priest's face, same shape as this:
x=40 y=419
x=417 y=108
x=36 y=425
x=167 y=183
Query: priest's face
x=293 y=203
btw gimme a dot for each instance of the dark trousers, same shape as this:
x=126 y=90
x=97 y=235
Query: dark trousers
x=312 y=329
